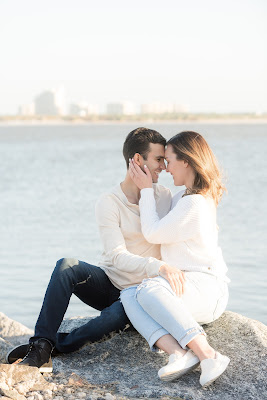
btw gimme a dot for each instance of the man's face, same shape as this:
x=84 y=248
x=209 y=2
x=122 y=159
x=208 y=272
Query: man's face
x=154 y=161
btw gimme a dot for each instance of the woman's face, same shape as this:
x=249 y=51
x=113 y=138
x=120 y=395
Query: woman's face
x=179 y=169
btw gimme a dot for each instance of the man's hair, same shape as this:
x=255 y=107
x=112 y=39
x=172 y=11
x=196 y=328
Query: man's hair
x=138 y=141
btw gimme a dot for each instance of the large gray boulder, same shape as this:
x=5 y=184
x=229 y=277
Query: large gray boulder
x=13 y=331
x=124 y=365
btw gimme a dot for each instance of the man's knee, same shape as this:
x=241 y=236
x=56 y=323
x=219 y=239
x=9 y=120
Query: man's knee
x=65 y=263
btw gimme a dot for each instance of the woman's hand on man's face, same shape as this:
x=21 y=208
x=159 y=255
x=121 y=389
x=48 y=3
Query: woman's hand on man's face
x=175 y=277
x=141 y=179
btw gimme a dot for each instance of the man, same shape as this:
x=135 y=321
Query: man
x=127 y=259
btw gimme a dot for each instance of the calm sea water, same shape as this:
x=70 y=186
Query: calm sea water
x=51 y=177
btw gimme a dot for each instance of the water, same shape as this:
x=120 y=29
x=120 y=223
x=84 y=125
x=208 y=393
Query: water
x=51 y=177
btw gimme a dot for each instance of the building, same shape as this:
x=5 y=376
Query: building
x=83 y=109
x=124 y=108
x=162 y=108
x=50 y=102
x=27 y=110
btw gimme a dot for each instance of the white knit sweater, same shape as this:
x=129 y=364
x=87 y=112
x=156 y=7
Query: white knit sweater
x=188 y=233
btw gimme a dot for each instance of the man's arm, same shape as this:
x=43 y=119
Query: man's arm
x=108 y=219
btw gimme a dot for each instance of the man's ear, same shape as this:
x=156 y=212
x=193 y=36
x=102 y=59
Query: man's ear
x=185 y=163
x=138 y=158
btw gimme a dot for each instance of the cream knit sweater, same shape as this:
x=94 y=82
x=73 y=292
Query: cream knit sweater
x=128 y=257
x=188 y=234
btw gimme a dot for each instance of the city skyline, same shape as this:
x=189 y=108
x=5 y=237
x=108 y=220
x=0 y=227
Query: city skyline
x=53 y=103
x=208 y=56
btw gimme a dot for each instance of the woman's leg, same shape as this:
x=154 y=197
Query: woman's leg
x=155 y=335
x=170 y=345
x=180 y=360
x=201 y=347
x=158 y=300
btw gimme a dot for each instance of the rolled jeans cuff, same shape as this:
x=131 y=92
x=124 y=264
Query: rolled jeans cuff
x=190 y=335
x=155 y=337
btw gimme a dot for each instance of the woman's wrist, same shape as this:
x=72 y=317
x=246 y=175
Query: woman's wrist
x=162 y=268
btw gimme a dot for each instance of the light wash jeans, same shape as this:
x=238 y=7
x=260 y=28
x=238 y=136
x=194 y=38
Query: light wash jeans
x=155 y=310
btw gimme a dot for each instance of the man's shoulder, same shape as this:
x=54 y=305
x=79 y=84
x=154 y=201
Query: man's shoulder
x=161 y=190
x=107 y=198
x=162 y=193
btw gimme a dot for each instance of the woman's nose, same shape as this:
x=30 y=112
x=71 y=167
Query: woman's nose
x=162 y=165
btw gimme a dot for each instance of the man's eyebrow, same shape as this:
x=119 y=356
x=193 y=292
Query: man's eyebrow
x=159 y=157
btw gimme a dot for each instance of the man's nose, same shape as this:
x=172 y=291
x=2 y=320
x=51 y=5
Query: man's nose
x=162 y=165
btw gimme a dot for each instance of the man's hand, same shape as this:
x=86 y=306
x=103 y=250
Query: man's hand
x=175 y=277
x=141 y=179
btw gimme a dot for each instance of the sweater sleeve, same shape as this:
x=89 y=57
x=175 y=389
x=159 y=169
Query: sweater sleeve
x=181 y=223
x=108 y=220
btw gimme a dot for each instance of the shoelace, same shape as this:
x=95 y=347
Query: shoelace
x=33 y=351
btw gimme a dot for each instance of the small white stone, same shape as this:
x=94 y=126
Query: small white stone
x=68 y=390
x=94 y=396
x=109 y=396
x=81 y=395
x=47 y=392
x=38 y=396
x=30 y=398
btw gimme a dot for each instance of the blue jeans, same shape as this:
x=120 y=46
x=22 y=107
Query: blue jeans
x=91 y=285
x=155 y=310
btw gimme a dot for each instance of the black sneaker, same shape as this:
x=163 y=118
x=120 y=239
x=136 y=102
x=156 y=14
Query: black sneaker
x=38 y=355
x=16 y=354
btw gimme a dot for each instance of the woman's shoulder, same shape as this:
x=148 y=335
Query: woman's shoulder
x=189 y=201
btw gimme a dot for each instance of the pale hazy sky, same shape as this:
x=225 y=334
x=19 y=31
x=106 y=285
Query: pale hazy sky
x=208 y=54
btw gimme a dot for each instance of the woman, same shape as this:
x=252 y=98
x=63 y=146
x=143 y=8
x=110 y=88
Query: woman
x=191 y=288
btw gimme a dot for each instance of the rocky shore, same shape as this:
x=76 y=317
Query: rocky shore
x=122 y=366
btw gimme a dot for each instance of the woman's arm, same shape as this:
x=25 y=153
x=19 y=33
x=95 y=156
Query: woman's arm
x=183 y=222
x=180 y=224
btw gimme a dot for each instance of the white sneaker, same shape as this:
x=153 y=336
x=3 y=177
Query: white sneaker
x=178 y=366
x=212 y=368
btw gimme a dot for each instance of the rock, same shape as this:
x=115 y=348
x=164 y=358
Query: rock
x=11 y=394
x=12 y=331
x=126 y=362
x=22 y=379
x=4 y=348
x=123 y=367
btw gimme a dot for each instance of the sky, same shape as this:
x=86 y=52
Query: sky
x=208 y=55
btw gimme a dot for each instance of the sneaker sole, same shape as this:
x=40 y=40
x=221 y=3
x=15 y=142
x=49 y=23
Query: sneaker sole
x=208 y=383
x=46 y=369
x=175 y=375
x=42 y=370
